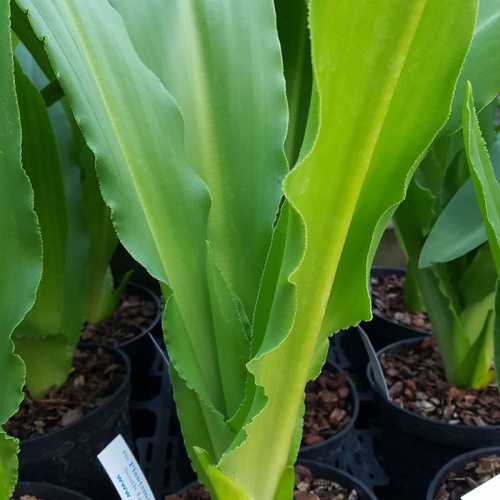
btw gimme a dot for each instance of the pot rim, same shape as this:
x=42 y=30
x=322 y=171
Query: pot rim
x=459 y=460
x=353 y=392
x=410 y=414
x=120 y=389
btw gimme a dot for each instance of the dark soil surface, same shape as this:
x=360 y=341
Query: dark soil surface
x=132 y=316
x=387 y=301
x=94 y=378
x=306 y=488
x=328 y=407
x=472 y=475
x=415 y=379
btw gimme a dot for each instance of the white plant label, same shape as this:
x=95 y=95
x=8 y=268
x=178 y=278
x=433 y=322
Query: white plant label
x=124 y=471
x=490 y=490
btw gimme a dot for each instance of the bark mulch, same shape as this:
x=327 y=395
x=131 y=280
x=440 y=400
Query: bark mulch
x=472 y=475
x=132 y=316
x=416 y=381
x=328 y=407
x=388 y=301
x=94 y=378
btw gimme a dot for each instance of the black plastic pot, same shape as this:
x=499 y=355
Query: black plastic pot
x=456 y=465
x=321 y=471
x=380 y=330
x=346 y=480
x=139 y=349
x=68 y=456
x=158 y=441
x=414 y=447
x=47 y=491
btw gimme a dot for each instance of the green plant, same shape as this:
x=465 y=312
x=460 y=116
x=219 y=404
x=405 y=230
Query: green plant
x=450 y=274
x=78 y=236
x=47 y=336
x=487 y=192
x=20 y=244
x=184 y=105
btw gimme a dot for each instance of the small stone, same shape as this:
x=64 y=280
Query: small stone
x=71 y=416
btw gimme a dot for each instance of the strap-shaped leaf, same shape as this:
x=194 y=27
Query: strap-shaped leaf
x=459 y=228
x=355 y=172
x=20 y=266
x=235 y=117
x=487 y=192
x=296 y=51
x=160 y=204
x=483 y=177
x=366 y=56
x=59 y=310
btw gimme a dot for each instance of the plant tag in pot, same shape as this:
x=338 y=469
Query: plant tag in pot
x=487 y=491
x=124 y=471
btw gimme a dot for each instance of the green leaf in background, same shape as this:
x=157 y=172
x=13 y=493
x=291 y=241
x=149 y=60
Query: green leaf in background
x=487 y=192
x=235 y=116
x=47 y=336
x=480 y=66
x=460 y=228
x=20 y=266
x=102 y=238
x=296 y=50
x=458 y=305
x=483 y=177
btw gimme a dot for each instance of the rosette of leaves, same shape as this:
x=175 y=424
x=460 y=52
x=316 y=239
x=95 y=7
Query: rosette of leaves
x=75 y=224
x=186 y=109
x=451 y=271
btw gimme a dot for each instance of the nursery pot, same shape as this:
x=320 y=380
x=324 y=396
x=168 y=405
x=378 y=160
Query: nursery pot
x=456 y=465
x=47 y=491
x=323 y=471
x=68 y=456
x=381 y=330
x=415 y=447
x=328 y=451
x=320 y=471
x=141 y=349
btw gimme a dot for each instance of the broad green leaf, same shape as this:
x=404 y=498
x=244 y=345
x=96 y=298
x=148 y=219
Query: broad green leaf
x=458 y=293
x=8 y=464
x=217 y=481
x=487 y=192
x=483 y=177
x=204 y=160
x=172 y=246
x=460 y=228
x=59 y=309
x=23 y=30
x=350 y=180
x=480 y=66
x=235 y=117
x=474 y=369
x=20 y=266
x=296 y=51
x=102 y=238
